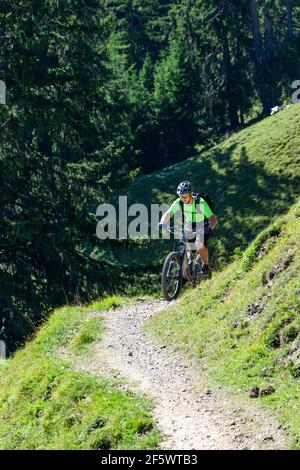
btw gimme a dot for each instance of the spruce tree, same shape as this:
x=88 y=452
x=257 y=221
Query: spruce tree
x=63 y=135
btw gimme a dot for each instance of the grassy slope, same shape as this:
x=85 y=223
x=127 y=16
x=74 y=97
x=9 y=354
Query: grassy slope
x=243 y=326
x=45 y=404
x=252 y=176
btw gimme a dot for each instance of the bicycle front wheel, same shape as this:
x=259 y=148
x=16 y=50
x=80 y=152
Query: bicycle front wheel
x=171 y=277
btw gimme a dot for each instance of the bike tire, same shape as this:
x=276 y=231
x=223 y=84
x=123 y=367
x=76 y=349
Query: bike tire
x=172 y=257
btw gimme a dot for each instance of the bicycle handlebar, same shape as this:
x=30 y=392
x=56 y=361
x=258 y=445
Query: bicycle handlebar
x=173 y=231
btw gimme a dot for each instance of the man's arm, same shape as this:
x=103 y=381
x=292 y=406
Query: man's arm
x=165 y=218
x=208 y=213
x=171 y=212
x=213 y=222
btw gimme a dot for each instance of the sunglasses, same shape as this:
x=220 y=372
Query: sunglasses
x=185 y=196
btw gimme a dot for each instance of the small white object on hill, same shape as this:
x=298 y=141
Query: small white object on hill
x=276 y=109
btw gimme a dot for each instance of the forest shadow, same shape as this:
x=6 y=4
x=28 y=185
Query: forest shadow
x=246 y=196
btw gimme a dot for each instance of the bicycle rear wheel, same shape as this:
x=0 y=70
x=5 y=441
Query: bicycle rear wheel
x=171 y=277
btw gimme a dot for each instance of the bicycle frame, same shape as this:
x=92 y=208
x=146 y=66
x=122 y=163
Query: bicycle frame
x=187 y=266
x=181 y=248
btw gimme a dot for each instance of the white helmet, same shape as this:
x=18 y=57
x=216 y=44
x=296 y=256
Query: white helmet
x=184 y=188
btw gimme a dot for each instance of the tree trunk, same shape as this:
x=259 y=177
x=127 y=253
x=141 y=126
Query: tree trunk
x=229 y=76
x=230 y=94
x=269 y=58
x=257 y=39
x=260 y=65
x=269 y=52
x=290 y=21
x=242 y=120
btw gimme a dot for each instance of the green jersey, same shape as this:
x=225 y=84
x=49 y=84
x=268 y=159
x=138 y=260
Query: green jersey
x=191 y=214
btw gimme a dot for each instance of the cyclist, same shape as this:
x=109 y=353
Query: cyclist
x=198 y=218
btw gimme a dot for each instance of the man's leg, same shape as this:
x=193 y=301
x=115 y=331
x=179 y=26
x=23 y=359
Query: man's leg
x=202 y=248
x=203 y=253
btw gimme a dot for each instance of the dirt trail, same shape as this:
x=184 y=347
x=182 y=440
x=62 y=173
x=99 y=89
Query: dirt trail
x=189 y=419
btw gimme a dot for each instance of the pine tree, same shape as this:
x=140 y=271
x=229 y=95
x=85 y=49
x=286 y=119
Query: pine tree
x=63 y=136
x=177 y=95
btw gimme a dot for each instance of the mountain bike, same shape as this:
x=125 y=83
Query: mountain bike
x=183 y=264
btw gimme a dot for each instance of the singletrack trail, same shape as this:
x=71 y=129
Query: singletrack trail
x=189 y=419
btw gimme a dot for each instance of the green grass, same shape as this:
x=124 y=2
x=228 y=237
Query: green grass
x=243 y=326
x=253 y=176
x=90 y=329
x=46 y=404
x=89 y=332
x=112 y=301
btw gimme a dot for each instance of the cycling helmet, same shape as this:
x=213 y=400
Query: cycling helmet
x=184 y=188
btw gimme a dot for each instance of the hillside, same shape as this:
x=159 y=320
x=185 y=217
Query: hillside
x=252 y=177
x=241 y=329
x=105 y=107
x=237 y=333
x=48 y=403
x=243 y=326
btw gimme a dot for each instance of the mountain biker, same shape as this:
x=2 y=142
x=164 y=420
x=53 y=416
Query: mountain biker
x=194 y=212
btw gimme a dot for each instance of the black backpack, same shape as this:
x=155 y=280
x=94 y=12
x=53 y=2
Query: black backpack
x=197 y=197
